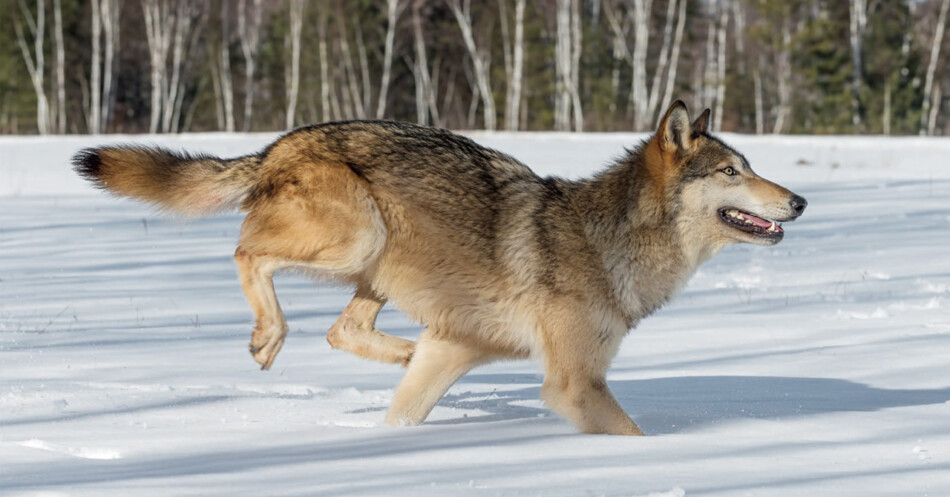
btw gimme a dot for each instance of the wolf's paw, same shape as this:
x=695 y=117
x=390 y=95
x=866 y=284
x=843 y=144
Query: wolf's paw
x=265 y=345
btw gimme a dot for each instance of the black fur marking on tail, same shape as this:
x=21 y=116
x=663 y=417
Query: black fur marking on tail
x=88 y=164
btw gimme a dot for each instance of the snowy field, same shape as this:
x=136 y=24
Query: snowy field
x=818 y=367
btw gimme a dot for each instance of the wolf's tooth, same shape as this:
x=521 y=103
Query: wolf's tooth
x=772 y=228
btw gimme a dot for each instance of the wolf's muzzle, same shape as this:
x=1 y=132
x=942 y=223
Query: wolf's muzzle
x=798 y=204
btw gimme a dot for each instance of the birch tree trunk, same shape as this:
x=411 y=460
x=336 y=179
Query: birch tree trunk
x=482 y=78
x=364 y=68
x=296 y=27
x=224 y=60
x=324 y=68
x=393 y=9
x=352 y=78
x=157 y=32
x=568 y=52
x=641 y=37
x=886 y=118
x=93 y=117
x=35 y=62
x=934 y=110
x=618 y=48
x=925 y=127
x=757 y=88
x=738 y=19
x=858 y=17
x=185 y=14
x=514 y=62
x=783 y=73
x=674 y=57
x=576 y=43
x=250 y=36
x=512 y=116
x=110 y=11
x=60 y=67
x=562 y=67
x=654 y=94
x=421 y=67
x=721 y=66
x=709 y=64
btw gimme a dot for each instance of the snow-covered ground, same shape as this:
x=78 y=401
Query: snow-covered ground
x=820 y=366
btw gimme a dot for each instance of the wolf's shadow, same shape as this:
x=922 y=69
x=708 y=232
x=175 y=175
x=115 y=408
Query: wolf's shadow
x=676 y=404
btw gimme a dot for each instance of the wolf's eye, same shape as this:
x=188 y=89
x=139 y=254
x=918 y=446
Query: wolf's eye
x=729 y=171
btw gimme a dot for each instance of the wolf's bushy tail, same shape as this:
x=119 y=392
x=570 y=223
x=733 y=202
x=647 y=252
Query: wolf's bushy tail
x=176 y=182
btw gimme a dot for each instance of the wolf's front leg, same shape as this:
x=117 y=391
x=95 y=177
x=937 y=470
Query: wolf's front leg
x=588 y=403
x=435 y=366
x=575 y=381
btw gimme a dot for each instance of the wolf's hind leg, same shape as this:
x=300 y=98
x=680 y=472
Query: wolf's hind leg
x=435 y=366
x=256 y=273
x=355 y=331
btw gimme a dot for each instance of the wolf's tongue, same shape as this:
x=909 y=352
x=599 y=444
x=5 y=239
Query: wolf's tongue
x=762 y=223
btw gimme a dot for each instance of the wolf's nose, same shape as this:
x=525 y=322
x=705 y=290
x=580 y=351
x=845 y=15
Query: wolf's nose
x=798 y=204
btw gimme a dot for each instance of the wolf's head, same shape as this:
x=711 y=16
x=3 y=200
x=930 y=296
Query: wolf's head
x=718 y=198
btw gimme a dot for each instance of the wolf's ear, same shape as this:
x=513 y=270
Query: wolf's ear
x=674 y=131
x=701 y=124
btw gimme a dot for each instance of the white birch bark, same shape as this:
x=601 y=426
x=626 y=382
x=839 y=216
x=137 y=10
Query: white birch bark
x=782 y=74
x=324 y=69
x=250 y=36
x=110 y=12
x=421 y=68
x=934 y=110
x=512 y=116
x=93 y=117
x=296 y=27
x=576 y=45
x=393 y=9
x=641 y=37
x=738 y=19
x=618 y=48
x=364 y=68
x=60 y=67
x=185 y=14
x=932 y=69
x=654 y=94
x=674 y=57
x=157 y=22
x=886 y=118
x=355 y=95
x=216 y=87
x=721 y=66
x=562 y=68
x=482 y=78
x=514 y=62
x=35 y=62
x=709 y=64
x=224 y=60
x=858 y=18
x=757 y=88
x=194 y=27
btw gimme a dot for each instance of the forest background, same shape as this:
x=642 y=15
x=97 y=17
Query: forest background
x=763 y=66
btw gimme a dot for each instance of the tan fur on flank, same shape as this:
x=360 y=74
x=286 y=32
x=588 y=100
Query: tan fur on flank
x=497 y=262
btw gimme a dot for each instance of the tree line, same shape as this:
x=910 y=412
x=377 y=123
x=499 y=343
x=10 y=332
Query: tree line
x=763 y=66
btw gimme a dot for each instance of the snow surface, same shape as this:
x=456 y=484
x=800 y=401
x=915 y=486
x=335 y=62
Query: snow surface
x=815 y=367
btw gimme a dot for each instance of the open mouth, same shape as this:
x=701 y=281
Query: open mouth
x=752 y=224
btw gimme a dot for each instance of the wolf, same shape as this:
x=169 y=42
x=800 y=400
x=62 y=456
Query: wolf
x=495 y=261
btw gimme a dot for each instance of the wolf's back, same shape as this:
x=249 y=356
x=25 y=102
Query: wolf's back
x=176 y=182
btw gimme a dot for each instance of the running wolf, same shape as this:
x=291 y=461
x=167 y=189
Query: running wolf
x=495 y=261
